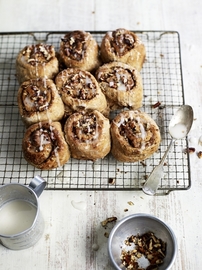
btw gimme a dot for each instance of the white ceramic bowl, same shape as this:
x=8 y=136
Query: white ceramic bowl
x=140 y=224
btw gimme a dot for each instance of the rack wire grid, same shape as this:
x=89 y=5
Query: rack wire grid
x=162 y=83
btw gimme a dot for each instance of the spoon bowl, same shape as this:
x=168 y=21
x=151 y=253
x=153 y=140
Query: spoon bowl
x=179 y=127
x=181 y=122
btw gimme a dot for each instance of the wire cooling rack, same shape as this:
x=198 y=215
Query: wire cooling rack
x=163 y=94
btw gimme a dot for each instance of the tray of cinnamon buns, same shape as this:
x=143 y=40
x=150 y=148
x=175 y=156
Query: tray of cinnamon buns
x=90 y=110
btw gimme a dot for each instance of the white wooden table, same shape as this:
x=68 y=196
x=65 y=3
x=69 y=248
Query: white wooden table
x=70 y=233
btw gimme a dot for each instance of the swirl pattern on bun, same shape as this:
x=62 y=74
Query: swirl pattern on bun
x=135 y=136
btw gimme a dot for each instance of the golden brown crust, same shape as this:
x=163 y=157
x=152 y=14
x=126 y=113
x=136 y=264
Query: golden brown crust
x=121 y=84
x=36 y=61
x=39 y=100
x=44 y=146
x=135 y=136
x=80 y=91
x=123 y=46
x=88 y=135
x=80 y=50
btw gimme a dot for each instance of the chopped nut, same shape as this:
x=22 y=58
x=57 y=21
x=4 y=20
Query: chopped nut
x=156 y=105
x=147 y=245
x=189 y=150
x=131 y=131
x=130 y=203
x=79 y=85
x=74 y=45
x=161 y=107
x=39 y=54
x=112 y=181
x=143 y=163
x=159 y=261
x=139 y=255
x=85 y=128
x=121 y=41
x=106 y=234
x=150 y=245
x=150 y=256
x=119 y=78
x=108 y=220
x=199 y=154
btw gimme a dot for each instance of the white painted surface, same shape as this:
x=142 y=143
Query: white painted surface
x=71 y=233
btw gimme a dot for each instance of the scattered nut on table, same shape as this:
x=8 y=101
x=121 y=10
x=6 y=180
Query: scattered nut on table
x=199 y=154
x=108 y=220
x=189 y=150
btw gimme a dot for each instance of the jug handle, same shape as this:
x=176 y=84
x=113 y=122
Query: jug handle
x=37 y=185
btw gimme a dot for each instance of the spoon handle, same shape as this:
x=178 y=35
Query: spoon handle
x=151 y=185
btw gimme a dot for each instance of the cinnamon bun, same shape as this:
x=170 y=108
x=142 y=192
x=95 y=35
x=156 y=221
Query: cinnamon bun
x=39 y=100
x=79 y=49
x=135 y=136
x=79 y=90
x=121 y=84
x=44 y=146
x=124 y=46
x=36 y=61
x=88 y=135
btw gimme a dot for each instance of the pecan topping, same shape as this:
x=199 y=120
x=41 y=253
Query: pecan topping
x=35 y=98
x=40 y=137
x=121 y=41
x=79 y=85
x=38 y=54
x=74 y=45
x=41 y=142
x=138 y=133
x=148 y=246
x=118 y=78
x=86 y=128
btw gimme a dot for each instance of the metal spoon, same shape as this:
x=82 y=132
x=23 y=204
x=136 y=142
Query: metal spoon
x=179 y=127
